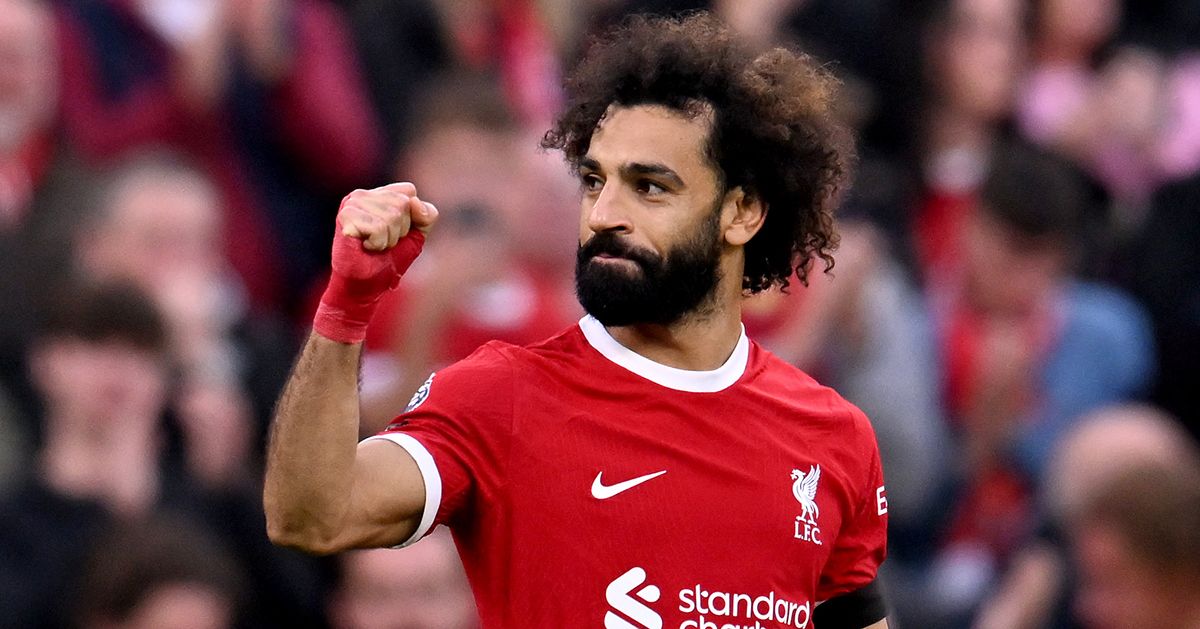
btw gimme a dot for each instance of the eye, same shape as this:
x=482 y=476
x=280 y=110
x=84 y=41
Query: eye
x=591 y=182
x=647 y=187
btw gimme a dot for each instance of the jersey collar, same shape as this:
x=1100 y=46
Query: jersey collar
x=671 y=377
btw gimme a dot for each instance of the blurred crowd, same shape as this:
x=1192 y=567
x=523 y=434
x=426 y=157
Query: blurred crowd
x=1015 y=304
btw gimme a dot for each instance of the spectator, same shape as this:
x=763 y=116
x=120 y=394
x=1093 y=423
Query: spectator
x=102 y=368
x=157 y=223
x=971 y=55
x=1026 y=351
x=102 y=365
x=1037 y=590
x=156 y=574
x=418 y=587
x=1127 y=113
x=1136 y=544
x=1019 y=314
x=264 y=95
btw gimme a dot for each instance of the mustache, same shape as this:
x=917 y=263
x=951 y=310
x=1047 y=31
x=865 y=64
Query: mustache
x=608 y=243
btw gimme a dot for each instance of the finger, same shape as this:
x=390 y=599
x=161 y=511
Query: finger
x=424 y=215
x=358 y=212
x=392 y=210
x=355 y=222
x=402 y=187
x=358 y=222
x=398 y=224
x=351 y=230
x=379 y=236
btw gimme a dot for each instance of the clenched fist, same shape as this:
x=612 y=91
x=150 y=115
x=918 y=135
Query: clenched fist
x=379 y=234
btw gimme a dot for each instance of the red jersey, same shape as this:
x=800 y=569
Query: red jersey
x=585 y=484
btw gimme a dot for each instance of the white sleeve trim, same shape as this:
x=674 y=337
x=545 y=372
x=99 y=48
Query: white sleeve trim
x=429 y=475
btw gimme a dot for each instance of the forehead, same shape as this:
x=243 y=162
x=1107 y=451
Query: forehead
x=651 y=134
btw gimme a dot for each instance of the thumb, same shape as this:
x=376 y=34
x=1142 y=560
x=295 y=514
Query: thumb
x=423 y=215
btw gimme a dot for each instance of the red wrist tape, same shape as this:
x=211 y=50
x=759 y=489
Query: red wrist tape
x=359 y=280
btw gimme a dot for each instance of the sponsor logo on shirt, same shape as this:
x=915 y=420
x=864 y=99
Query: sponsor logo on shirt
x=706 y=609
x=618 y=596
x=421 y=395
x=804 y=489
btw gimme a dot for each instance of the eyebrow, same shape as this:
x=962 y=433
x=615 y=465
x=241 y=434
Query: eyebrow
x=635 y=169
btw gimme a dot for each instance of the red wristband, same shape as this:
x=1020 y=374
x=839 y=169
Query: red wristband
x=359 y=280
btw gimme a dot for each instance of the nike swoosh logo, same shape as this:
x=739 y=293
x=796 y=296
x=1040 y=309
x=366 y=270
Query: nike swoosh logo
x=603 y=492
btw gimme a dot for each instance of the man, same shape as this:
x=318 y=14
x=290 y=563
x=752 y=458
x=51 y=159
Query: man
x=420 y=587
x=1136 y=545
x=1041 y=584
x=101 y=367
x=650 y=467
x=159 y=571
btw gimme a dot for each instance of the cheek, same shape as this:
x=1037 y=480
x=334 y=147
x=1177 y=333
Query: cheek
x=73 y=374
x=585 y=232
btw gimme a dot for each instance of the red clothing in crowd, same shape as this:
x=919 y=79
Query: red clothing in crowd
x=120 y=93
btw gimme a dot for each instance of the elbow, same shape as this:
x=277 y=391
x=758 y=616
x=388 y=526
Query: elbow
x=302 y=539
x=297 y=534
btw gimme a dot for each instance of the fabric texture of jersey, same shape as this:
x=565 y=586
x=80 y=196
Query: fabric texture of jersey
x=587 y=486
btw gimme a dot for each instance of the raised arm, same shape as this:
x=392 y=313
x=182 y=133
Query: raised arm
x=324 y=493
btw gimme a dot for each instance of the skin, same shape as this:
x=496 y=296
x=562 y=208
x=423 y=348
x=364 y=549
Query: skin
x=1121 y=590
x=103 y=401
x=27 y=84
x=645 y=178
x=342 y=494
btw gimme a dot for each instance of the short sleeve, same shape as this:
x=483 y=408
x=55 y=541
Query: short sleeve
x=457 y=428
x=861 y=544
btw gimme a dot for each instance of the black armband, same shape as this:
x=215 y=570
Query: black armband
x=853 y=610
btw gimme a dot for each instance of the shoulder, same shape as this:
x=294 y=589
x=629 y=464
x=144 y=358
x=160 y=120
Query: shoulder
x=497 y=363
x=788 y=383
x=1105 y=315
x=565 y=347
x=820 y=409
x=1096 y=303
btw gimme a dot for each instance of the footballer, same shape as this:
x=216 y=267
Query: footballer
x=650 y=466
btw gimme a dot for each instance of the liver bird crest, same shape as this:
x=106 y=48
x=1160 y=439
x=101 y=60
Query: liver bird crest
x=804 y=488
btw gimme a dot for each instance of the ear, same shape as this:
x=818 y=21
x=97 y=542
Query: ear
x=742 y=216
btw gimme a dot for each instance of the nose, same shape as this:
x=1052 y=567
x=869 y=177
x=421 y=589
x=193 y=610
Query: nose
x=608 y=212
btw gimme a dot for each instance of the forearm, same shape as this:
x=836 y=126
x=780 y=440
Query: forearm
x=324 y=493
x=311 y=455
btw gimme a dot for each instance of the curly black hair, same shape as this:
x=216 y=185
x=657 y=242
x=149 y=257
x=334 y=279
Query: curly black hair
x=773 y=131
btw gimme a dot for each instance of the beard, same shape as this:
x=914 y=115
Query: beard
x=661 y=291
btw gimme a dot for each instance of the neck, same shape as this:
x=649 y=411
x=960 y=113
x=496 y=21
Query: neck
x=701 y=341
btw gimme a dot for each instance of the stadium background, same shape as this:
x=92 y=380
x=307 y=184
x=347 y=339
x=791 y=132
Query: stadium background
x=1016 y=302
